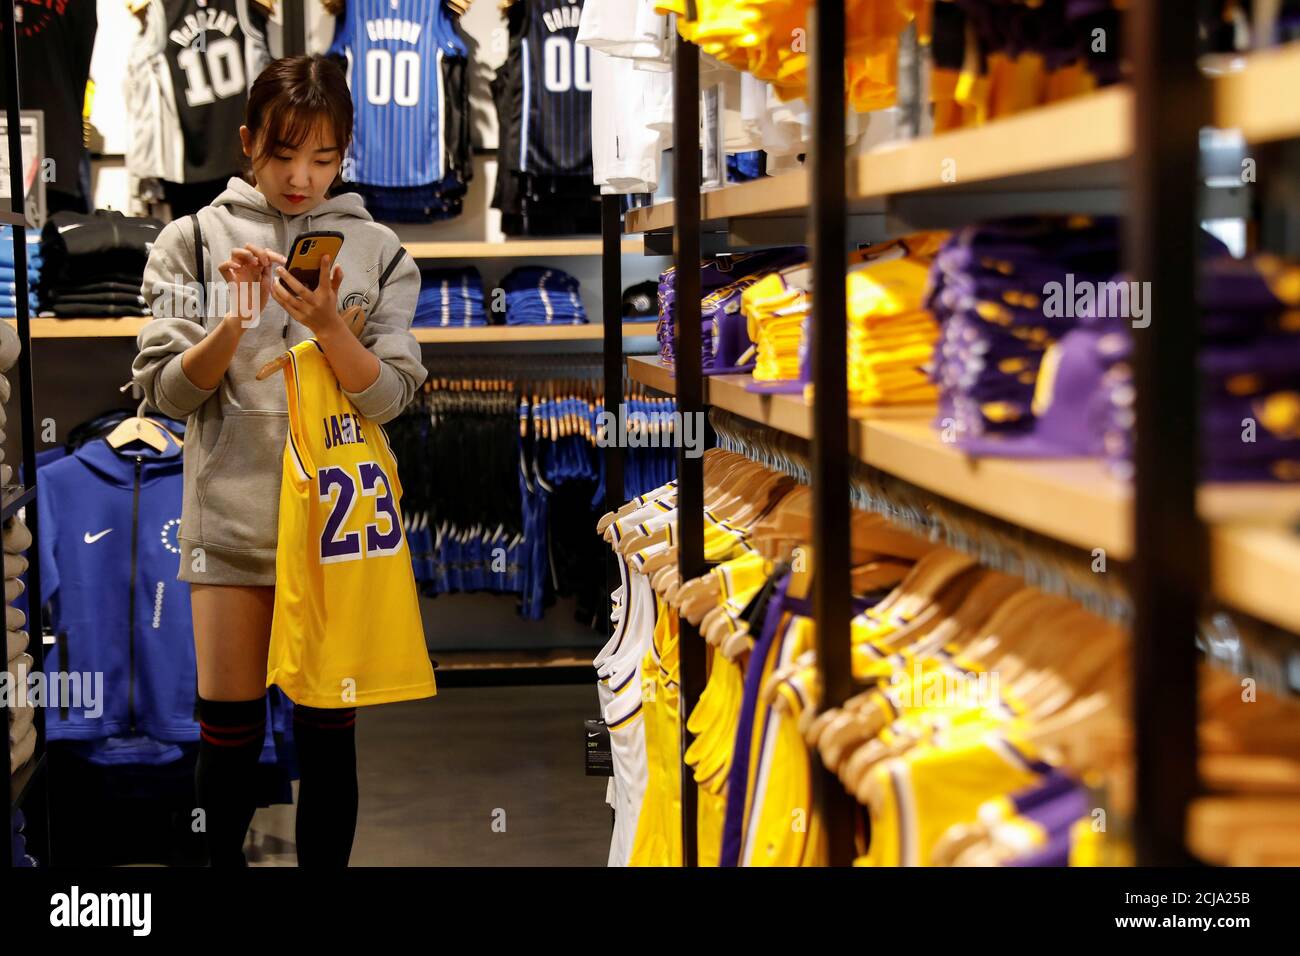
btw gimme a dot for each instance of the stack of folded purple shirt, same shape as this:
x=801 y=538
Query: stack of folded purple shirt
x=994 y=291
x=724 y=338
x=1250 y=374
x=1062 y=32
x=1082 y=393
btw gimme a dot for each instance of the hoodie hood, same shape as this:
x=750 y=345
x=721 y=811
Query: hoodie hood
x=235 y=439
x=117 y=465
x=244 y=200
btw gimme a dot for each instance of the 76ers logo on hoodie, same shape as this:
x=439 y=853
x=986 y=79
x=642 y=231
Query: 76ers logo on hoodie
x=168 y=535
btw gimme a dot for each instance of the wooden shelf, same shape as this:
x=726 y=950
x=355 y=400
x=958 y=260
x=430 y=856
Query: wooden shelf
x=1076 y=501
x=1082 y=142
x=651 y=372
x=768 y=196
x=1059 y=138
x=1255 y=562
x=1257 y=569
x=85 y=328
x=528 y=333
x=514 y=248
x=1254 y=99
x=653 y=218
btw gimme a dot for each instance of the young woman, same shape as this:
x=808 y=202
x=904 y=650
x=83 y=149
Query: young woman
x=198 y=360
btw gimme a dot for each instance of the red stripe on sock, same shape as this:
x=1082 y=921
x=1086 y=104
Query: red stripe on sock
x=232 y=741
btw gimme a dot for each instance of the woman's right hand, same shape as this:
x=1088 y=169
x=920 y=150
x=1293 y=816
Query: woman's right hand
x=248 y=282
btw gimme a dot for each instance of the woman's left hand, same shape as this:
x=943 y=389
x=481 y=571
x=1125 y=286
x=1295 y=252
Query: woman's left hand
x=315 y=308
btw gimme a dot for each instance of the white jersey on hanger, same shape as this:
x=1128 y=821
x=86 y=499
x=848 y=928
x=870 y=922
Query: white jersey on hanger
x=619 y=688
x=615 y=28
x=624 y=150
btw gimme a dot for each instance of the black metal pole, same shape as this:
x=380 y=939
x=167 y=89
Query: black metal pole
x=294 y=37
x=18 y=202
x=690 y=394
x=832 y=608
x=611 y=280
x=1169 y=557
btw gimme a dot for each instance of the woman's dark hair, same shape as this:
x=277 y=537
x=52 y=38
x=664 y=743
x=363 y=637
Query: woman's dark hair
x=290 y=97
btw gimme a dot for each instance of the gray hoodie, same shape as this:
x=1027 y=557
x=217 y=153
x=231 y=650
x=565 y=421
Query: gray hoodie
x=235 y=435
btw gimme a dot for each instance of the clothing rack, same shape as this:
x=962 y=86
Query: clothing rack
x=29 y=788
x=1248 y=648
x=1048 y=565
x=1156 y=189
x=530 y=367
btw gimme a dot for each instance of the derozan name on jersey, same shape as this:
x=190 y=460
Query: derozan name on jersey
x=561 y=18
x=388 y=28
x=196 y=23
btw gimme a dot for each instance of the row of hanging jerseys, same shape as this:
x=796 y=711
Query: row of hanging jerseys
x=962 y=746
x=504 y=479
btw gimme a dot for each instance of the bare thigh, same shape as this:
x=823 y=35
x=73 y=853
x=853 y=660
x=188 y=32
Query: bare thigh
x=232 y=632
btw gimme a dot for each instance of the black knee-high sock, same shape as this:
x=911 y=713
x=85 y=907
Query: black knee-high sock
x=231 y=736
x=326 y=741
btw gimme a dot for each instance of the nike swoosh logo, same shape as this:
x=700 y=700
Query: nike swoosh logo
x=92 y=538
x=63 y=229
x=593 y=735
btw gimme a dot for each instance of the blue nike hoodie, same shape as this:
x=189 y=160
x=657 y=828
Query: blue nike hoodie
x=108 y=551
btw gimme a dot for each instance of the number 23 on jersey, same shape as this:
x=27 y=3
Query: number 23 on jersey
x=338 y=486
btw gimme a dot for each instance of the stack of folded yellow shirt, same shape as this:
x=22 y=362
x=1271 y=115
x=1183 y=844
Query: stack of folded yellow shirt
x=775 y=308
x=891 y=336
x=769 y=39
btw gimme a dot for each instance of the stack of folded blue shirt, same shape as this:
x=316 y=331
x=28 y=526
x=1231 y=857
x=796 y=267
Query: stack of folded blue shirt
x=536 y=295
x=8 y=279
x=450 y=297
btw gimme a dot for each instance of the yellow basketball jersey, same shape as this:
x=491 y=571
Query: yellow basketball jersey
x=347 y=628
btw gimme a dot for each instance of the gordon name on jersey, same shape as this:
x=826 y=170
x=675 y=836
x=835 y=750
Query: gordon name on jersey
x=201 y=21
x=391 y=28
x=562 y=18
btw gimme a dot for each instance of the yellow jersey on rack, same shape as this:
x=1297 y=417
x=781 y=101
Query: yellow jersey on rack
x=347 y=628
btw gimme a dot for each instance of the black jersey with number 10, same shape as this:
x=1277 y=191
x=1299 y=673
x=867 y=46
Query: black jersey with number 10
x=214 y=51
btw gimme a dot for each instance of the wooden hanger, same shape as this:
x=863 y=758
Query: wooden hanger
x=875 y=575
x=669 y=489
x=142 y=429
x=932 y=574
x=640 y=541
x=660 y=559
x=660 y=579
x=969 y=604
x=761 y=491
x=1245 y=831
x=969 y=600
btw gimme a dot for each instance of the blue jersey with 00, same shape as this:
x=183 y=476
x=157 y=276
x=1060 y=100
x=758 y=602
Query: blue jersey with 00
x=394 y=51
